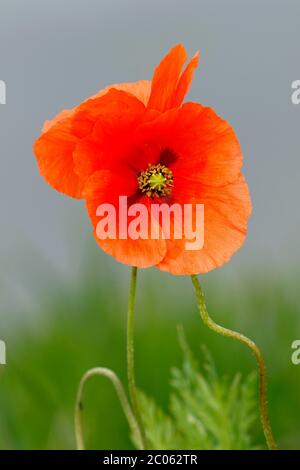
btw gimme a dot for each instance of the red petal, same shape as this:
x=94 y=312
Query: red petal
x=113 y=118
x=185 y=81
x=56 y=148
x=206 y=146
x=165 y=79
x=105 y=187
x=54 y=152
x=226 y=212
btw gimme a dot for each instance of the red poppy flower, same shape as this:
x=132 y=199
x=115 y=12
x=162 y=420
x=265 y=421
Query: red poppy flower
x=139 y=140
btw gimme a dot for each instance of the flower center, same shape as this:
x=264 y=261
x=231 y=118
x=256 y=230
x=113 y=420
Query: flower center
x=156 y=181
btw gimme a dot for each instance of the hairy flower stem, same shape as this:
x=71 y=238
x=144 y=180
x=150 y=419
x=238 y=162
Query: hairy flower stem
x=264 y=415
x=103 y=372
x=130 y=357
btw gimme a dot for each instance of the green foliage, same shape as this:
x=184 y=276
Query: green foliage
x=205 y=411
x=74 y=325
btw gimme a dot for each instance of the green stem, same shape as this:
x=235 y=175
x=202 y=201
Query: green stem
x=264 y=414
x=101 y=371
x=130 y=356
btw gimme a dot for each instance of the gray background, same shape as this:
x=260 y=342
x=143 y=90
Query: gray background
x=55 y=53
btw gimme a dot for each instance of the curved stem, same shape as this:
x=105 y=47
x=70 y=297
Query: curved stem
x=121 y=395
x=130 y=355
x=264 y=414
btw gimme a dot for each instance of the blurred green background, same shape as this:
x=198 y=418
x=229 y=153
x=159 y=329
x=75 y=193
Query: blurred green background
x=62 y=301
x=77 y=324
